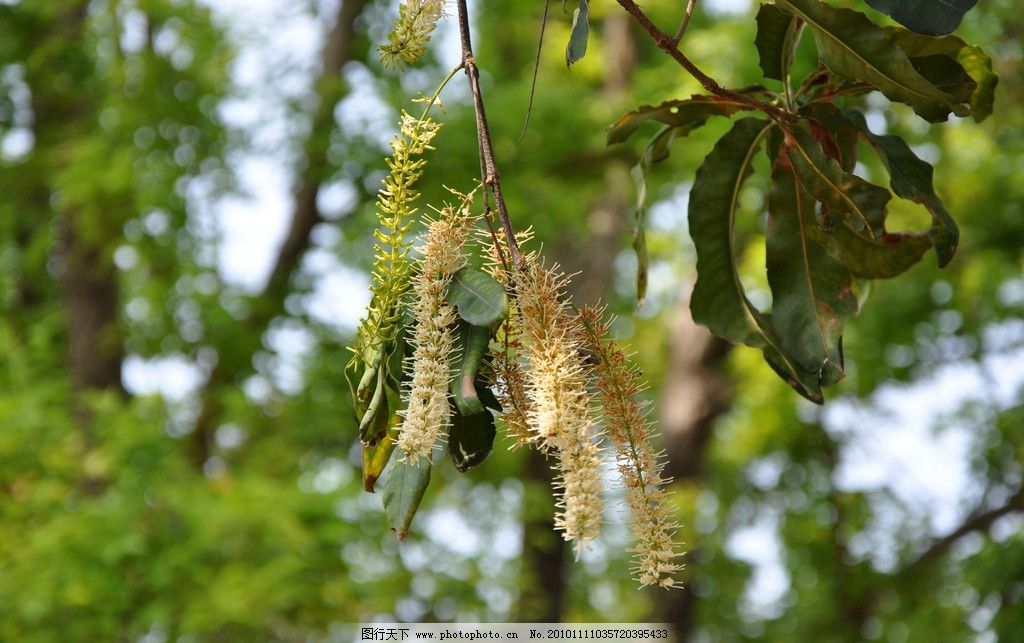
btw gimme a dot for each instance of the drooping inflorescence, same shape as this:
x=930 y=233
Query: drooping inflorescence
x=395 y=212
x=427 y=410
x=630 y=431
x=560 y=416
x=411 y=32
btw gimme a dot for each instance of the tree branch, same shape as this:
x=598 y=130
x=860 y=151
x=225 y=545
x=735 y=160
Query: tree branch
x=685 y=23
x=491 y=178
x=978 y=521
x=669 y=46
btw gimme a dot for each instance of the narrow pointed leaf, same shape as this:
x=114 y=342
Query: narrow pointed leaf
x=862 y=202
x=812 y=294
x=775 y=30
x=478 y=297
x=374 y=422
x=470 y=439
x=912 y=179
x=935 y=17
x=685 y=115
x=403 y=491
x=657 y=150
x=472 y=342
x=577 y=47
x=856 y=49
x=718 y=300
x=376 y=457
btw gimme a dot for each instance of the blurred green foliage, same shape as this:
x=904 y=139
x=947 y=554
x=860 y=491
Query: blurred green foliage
x=112 y=529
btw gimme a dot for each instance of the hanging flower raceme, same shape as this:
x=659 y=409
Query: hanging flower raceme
x=631 y=433
x=556 y=387
x=427 y=410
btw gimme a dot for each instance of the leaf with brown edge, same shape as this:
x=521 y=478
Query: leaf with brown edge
x=854 y=48
x=888 y=256
x=862 y=202
x=966 y=73
x=829 y=123
x=812 y=294
x=685 y=115
x=912 y=180
x=719 y=300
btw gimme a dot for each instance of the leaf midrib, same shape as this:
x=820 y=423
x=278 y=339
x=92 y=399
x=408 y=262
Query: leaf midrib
x=861 y=58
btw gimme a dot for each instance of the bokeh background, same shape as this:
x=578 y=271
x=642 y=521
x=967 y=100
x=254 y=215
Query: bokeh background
x=186 y=195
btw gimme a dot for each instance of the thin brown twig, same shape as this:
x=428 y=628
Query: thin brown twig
x=666 y=44
x=685 y=23
x=491 y=178
x=536 y=71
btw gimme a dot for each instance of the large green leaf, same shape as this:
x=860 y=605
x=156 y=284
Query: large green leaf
x=775 y=31
x=403 y=491
x=812 y=294
x=719 y=301
x=966 y=70
x=685 y=115
x=935 y=17
x=578 y=36
x=479 y=298
x=912 y=179
x=862 y=202
x=470 y=439
x=855 y=48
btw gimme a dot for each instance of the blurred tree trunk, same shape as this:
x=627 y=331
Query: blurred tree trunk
x=64 y=112
x=695 y=393
x=544 y=551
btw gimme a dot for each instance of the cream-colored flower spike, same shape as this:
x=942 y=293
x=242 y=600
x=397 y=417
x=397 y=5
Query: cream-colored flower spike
x=559 y=413
x=631 y=433
x=426 y=410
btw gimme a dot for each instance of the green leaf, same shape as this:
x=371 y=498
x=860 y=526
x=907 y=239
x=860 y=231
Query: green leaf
x=403 y=492
x=863 y=202
x=855 y=48
x=812 y=294
x=374 y=422
x=470 y=439
x=775 y=30
x=912 y=179
x=935 y=17
x=479 y=298
x=828 y=123
x=473 y=342
x=719 y=301
x=888 y=256
x=577 y=47
x=965 y=71
x=685 y=115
